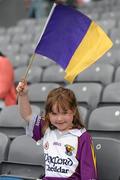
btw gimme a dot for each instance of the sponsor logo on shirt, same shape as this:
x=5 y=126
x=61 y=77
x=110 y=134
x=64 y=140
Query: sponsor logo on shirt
x=57 y=164
x=69 y=149
x=46 y=145
x=57 y=143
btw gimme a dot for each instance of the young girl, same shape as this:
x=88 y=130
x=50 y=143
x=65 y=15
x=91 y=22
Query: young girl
x=68 y=147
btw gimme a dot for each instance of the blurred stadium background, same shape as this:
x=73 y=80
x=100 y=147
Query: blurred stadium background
x=97 y=88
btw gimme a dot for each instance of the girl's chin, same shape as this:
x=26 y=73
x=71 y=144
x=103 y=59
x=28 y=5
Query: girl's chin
x=62 y=128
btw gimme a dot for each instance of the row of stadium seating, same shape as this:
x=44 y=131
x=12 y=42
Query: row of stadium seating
x=20 y=60
x=91 y=95
x=22 y=37
x=102 y=73
x=102 y=121
x=25 y=42
x=23 y=158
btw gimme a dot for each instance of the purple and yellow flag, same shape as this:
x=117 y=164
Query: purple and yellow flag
x=72 y=40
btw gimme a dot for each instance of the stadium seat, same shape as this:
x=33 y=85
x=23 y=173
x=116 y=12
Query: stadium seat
x=19 y=60
x=38 y=92
x=27 y=48
x=24 y=38
x=25 y=159
x=93 y=15
x=117 y=75
x=102 y=73
x=108 y=157
x=28 y=22
x=42 y=61
x=34 y=74
x=12 y=49
x=83 y=114
x=115 y=36
x=111 y=57
x=11 y=123
x=105 y=121
x=107 y=24
x=35 y=109
x=4 y=144
x=19 y=73
x=18 y=30
x=87 y=93
x=111 y=93
x=4 y=39
x=53 y=73
x=111 y=15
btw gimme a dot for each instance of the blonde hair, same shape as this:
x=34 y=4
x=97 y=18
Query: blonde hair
x=65 y=99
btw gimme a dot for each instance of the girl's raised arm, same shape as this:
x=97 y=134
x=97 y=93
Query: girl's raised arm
x=23 y=101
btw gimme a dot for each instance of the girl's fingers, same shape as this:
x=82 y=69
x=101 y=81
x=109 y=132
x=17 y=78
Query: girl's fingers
x=20 y=87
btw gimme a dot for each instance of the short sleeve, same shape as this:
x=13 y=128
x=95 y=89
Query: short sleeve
x=30 y=126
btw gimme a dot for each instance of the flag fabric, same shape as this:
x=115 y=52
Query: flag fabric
x=72 y=40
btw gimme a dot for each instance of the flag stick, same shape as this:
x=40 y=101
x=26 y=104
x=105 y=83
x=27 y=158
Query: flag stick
x=29 y=66
x=27 y=71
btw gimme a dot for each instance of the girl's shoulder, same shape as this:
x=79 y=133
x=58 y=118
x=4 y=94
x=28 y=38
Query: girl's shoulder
x=85 y=137
x=37 y=119
x=35 y=127
x=35 y=122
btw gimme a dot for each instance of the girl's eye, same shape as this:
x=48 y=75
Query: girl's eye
x=62 y=113
x=53 y=113
x=65 y=112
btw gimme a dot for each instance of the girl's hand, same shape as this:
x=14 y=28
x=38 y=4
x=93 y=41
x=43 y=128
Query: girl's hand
x=22 y=88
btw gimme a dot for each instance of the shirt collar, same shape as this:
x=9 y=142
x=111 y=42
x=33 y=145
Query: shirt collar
x=75 y=132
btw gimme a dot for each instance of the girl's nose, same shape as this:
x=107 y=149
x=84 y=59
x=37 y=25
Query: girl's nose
x=59 y=117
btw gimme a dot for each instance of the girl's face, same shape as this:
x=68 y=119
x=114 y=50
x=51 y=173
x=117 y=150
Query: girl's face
x=61 y=119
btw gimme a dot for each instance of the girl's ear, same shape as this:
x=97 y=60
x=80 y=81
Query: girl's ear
x=47 y=117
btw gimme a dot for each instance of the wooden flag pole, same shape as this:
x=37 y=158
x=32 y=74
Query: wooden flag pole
x=28 y=68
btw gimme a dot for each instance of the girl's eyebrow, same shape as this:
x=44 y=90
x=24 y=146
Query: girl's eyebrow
x=63 y=111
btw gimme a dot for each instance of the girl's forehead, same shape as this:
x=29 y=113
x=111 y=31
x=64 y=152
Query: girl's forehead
x=58 y=107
